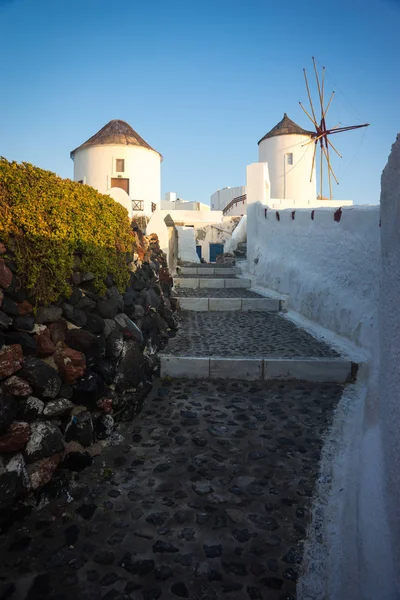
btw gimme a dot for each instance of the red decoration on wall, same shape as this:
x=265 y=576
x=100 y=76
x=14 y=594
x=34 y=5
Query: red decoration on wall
x=337 y=215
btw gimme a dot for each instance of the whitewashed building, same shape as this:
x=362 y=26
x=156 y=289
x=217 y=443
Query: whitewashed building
x=283 y=177
x=118 y=162
x=289 y=155
x=173 y=202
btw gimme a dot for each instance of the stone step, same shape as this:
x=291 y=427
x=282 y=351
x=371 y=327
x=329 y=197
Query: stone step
x=210 y=270
x=256 y=346
x=322 y=370
x=206 y=282
x=222 y=304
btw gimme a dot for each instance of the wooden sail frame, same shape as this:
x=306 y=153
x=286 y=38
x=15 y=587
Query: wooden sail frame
x=322 y=132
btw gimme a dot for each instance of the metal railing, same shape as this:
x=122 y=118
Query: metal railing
x=234 y=202
x=137 y=204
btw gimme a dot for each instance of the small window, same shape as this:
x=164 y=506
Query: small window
x=289 y=158
x=120 y=165
x=80 y=181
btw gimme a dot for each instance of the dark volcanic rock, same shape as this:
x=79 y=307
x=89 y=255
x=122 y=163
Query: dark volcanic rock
x=16 y=437
x=92 y=346
x=94 y=323
x=73 y=315
x=131 y=367
x=22 y=338
x=25 y=323
x=14 y=480
x=89 y=389
x=128 y=328
x=139 y=567
x=80 y=429
x=49 y=314
x=106 y=369
x=29 y=409
x=9 y=307
x=44 y=379
x=46 y=440
x=161 y=547
x=8 y=412
x=10 y=360
x=5 y=320
x=108 y=308
x=114 y=344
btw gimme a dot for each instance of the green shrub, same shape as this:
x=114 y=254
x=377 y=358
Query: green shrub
x=48 y=219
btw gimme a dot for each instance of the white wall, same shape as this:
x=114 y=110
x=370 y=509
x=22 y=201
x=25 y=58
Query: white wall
x=187 y=245
x=289 y=181
x=389 y=346
x=353 y=547
x=192 y=217
x=239 y=235
x=95 y=165
x=183 y=205
x=157 y=225
x=280 y=203
x=330 y=270
x=220 y=198
x=122 y=197
x=166 y=236
x=170 y=196
x=258 y=188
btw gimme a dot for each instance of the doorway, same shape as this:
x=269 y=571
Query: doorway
x=215 y=250
x=120 y=182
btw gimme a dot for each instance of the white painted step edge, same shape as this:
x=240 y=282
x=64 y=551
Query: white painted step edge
x=321 y=370
x=210 y=270
x=193 y=282
x=218 y=304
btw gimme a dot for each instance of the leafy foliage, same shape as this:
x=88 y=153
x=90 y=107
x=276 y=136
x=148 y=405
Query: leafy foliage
x=48 y=219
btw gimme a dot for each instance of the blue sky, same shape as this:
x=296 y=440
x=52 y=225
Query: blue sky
x=201 y=81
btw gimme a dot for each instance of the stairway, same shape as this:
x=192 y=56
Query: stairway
x=211 y=493
x=227 y=330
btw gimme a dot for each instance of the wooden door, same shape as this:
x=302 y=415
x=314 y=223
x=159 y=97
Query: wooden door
x=120 y=182
x=215 y=250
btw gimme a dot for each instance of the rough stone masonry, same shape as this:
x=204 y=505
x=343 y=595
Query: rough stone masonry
x=69 y=370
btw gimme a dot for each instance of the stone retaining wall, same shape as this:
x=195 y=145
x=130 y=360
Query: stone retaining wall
x=69 y=370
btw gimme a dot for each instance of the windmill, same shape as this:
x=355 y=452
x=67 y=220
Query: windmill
x=322 y=131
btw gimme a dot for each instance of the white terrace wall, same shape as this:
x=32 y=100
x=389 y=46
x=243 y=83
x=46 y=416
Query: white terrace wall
x=387 y=413
x=330 y=269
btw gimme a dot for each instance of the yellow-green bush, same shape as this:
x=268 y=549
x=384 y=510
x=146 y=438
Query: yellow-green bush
x=49 y=219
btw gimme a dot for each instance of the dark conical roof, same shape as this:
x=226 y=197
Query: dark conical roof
x=286 y=127
x=115 y=132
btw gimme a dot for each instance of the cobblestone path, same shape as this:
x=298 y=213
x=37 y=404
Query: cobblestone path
x=218 y=275
x=245 y=334
x=216 y=293
x=208 y=498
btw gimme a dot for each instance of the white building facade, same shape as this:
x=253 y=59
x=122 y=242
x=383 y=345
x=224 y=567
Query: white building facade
x=172 y=202
x=222 y=198
x=118 y=162
x=288 y=149
x=283 y=177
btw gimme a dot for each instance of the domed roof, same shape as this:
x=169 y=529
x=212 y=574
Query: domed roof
x=115 y=132
x=286 y=127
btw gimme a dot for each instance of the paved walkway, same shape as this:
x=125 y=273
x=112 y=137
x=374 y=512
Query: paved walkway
x=216 y=293
x=209 y=496
x=244 y=334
